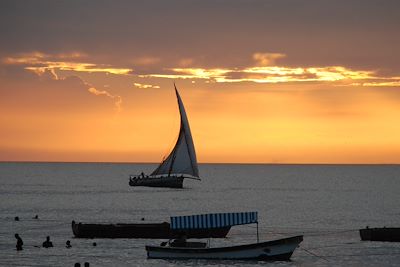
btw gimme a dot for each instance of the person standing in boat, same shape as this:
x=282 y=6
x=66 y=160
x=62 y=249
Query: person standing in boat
x=19 y=242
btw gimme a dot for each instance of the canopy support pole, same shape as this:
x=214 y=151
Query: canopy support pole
x=257 y=234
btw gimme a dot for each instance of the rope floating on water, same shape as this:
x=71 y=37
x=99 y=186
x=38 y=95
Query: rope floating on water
x=313 y=254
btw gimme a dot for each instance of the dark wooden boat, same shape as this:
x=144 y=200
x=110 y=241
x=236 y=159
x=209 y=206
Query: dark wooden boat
x=142 y=230
x=390 y=234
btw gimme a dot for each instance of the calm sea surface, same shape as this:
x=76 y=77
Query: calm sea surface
x=325 y=203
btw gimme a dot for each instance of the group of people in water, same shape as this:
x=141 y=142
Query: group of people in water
x=46 y=244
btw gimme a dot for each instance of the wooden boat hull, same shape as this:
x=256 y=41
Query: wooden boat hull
x=170 y=182
x=390 y=234
x=142 y=230
x=281 y=249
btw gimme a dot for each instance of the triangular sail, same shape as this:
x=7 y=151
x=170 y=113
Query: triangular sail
x=182 y=159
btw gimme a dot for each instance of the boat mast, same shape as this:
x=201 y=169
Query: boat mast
x=174 y=152
x=183 y=127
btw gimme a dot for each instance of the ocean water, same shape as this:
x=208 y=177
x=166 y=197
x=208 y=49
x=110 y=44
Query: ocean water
x=325 y=203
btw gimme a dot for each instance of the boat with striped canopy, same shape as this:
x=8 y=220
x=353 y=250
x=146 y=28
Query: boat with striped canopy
x=179 y=164
x=281 y=249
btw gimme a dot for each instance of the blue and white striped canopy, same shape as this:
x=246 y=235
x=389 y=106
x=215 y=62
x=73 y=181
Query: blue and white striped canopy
x=215 y=220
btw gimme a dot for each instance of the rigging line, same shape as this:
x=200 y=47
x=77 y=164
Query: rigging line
x=310 y=233
x=47 y=226
x=181 y=129
x=187 y=146
x=309 y=229
x=337 y=245
x=174 y=151
x=313 y=254
x=180 y=103
x=359 y=255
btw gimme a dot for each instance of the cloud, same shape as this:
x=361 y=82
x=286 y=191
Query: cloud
x=117 y=99
x=263 y=72
x=145 y=86
x=44 y=73
x=191 y=73
x=46 y=66
x=267 y=59
x=145 y=61
x=185 y=62
x=394 y=82
x=39 y=62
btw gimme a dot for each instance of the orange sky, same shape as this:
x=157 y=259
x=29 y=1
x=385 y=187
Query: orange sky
x=103 y=90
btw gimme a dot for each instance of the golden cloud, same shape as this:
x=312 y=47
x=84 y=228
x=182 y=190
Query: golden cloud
x=45 y=65
x=117 y=98
x=145 y=86
x=192 y=73
x=379 y=84
x=263 y=71
x=266 y=59
x=279 y=74
x=145 y=61
x=39 y=63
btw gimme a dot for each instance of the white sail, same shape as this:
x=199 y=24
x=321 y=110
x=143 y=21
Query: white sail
x=182 y=159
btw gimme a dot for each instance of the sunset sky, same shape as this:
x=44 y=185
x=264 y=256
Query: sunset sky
x=262 y=81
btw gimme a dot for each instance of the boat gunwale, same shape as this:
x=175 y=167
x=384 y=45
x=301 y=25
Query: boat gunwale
x=293 y=239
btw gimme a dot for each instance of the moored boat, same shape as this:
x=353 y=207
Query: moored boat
x=281 y=249
x=389 y=234
x=141 y=230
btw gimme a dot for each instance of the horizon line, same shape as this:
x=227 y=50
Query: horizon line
x=216 y=163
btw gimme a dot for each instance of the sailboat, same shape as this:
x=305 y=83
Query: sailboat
x=179 y=164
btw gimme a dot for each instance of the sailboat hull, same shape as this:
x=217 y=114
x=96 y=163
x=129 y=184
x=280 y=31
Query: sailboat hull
x=170 y=182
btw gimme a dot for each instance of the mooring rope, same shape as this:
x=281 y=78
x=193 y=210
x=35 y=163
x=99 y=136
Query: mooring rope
x=313 y=254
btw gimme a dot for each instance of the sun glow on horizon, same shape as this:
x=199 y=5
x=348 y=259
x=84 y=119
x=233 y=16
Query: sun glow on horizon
x=262 y=113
